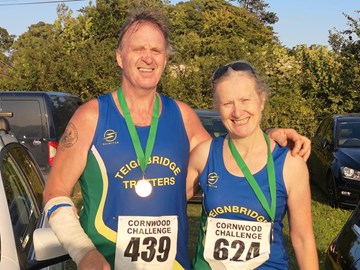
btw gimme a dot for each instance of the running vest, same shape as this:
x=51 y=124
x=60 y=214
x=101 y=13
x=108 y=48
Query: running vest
x=231 y=197
x=108 y=181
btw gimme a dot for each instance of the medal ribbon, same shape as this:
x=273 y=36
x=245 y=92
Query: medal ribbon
x=142 y=158
x=252 y=181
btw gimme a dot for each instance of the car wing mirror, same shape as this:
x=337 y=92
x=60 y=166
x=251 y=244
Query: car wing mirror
x=326 y=144
x=47 y=245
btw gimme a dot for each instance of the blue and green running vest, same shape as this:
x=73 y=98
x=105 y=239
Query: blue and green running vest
x=107 y=183
x=231 y=197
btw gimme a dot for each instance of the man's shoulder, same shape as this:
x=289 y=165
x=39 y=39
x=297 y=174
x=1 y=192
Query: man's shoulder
x=88 y=111
x=185 y=108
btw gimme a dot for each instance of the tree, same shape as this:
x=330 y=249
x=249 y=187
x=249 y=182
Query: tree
x=259 y=7
x=29 y=55
x=347 y=44
x=206 y=34
x=6 y=41
x=286 y=106
x=77 y=55
x=347 y=41
x=109 y=15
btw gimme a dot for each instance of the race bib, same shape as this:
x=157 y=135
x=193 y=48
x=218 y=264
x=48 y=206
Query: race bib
x=146 y=243
x=236 y=244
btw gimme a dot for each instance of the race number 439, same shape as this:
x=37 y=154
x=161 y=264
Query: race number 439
x=235 y=243
x=146 y=242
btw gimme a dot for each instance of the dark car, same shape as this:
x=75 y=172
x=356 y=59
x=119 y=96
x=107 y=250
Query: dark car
x=344 y=251
x=211 y=122
x=213 y=125
x=21 y=210
x=39 y=120
x=334 y=163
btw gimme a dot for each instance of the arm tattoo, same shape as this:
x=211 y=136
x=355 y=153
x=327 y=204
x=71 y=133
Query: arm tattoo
x=70 y=136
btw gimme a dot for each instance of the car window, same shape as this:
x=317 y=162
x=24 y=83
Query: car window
x=319 y=135
x=24 y=208
x=23 y=123
x=63 y=108
x=329 y=132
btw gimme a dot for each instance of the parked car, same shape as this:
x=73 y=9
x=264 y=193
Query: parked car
x=334 y=163
x=212 y=123
x=344 y=251
x=39 y=120
x=21 y=211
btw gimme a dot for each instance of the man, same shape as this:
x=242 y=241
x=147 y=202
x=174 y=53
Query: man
x=130 y=150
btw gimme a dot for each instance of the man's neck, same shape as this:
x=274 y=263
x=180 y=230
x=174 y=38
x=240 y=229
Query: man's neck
x=140 y=104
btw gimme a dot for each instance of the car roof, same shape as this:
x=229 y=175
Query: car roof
x=34 y=93
x=203 y=112
x=345 y=117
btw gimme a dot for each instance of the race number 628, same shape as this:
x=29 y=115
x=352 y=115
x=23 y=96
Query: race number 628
x=222 y=248
x=154 y=249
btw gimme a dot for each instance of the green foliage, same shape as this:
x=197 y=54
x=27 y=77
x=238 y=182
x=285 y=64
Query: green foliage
x=347 y=45
x=77 y=55
x=6 y=40
x=259 y=7
x=327 y=81
x=205 y=35
x=188 y=83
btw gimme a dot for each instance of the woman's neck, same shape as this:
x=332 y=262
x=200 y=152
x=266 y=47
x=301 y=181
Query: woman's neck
x=252 y=145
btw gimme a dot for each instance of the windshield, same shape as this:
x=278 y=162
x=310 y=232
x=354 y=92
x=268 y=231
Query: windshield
x=63 y=108
x=349 y=134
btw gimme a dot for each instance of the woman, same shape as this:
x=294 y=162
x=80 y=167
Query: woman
x=249 y=182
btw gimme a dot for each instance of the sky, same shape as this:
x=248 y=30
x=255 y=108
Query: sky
x=300 y=21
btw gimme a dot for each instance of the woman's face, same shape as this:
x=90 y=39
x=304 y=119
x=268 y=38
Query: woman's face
x=239 y=104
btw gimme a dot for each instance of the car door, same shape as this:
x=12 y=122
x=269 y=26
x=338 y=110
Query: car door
x=23 y=187
x=322 y=147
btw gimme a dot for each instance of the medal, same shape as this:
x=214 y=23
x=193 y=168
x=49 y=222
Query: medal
x=143 y=188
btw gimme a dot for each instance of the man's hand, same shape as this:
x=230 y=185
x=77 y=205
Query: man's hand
x=299 y=145
x=93 y=260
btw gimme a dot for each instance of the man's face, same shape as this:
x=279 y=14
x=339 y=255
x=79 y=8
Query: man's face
x=142 y=56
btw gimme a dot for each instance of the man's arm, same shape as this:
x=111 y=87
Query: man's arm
x=196 y=134
x=69 y=163
x=198 y=158
x=72 y=152
x=299 y=145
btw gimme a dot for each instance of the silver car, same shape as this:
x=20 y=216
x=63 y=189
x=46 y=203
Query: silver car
x=26 y=242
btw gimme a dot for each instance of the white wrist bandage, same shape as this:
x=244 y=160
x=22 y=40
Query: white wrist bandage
x=64 y=222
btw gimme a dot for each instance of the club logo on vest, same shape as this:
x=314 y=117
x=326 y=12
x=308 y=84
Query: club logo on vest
x=212 y=179
x=110 y=136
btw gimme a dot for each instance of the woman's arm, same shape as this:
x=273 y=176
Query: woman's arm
x=296 y=179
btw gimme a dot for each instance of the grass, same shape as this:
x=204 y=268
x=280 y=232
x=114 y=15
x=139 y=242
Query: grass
x=327 y=222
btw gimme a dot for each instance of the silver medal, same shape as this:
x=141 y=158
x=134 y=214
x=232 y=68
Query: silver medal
x=143 y=188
